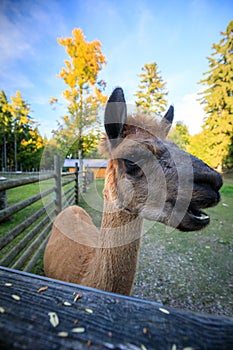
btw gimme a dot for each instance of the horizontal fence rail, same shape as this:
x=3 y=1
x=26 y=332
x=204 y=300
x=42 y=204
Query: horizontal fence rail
x=23 y=245
x=98 y=320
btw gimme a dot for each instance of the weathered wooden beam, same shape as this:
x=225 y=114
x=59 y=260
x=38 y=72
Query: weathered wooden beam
x=37 y=254
x=33 y=246
x=5 y=185
x=5 y=213
x=40 y=313
x=70 y=189
x=9 y=236
x=58 y=184
x=70 y=199
x=65 y=183
x=18 y=247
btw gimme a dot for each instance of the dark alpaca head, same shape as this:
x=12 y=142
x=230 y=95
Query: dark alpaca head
x=154 y=178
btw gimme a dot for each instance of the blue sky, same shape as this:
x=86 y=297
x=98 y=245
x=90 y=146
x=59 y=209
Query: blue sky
x=177 y=35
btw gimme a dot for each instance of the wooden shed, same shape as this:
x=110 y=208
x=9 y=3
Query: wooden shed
x=98 y=166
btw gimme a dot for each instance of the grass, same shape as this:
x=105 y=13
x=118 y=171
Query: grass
x=188 y=270
x=192 y=270
x=19 y=194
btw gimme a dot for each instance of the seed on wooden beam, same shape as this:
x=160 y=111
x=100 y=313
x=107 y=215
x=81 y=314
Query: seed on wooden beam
x=53 y=319
x=89 y=311
x=78 y=330
x=164 y=311
x=42 y=289
x=8 y=284
x=66 y=303
x=63 y=334
x=77 y=296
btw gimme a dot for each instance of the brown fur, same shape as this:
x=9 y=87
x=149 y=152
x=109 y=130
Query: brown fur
x=107 y=259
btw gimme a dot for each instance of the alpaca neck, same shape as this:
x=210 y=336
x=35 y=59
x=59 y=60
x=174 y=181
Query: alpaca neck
x=117 y=254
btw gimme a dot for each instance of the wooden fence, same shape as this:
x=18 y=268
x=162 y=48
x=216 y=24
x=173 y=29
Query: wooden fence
x=23 y=245
x=40 y=313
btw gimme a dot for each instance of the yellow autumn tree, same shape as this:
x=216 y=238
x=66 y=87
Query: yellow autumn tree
x=84 y=94
x=19 y=110
x=24 y=142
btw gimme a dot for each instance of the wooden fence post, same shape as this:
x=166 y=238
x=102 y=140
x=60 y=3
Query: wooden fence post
x=3 y=201
x=76 y=184
x=3 y=198
x=58 y=185
x=84 y=181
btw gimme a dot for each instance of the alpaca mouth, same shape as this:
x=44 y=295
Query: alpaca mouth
x=194 y=220
x=198 y=215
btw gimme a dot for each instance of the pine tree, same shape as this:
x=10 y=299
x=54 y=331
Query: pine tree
x=218 y=101
x=24 y=142
x=19 y=110
x=5 y=130
x=151 y=94
x=179 y=134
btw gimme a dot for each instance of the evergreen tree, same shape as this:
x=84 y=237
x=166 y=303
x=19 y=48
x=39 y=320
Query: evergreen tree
x=198 y=146
x=19 y=110
x=5 y=131
x=179 y=134
x=218 y=101
x=20 y=141
x=151 y=94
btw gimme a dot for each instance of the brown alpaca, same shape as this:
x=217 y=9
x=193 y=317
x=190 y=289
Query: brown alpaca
x=147 y=177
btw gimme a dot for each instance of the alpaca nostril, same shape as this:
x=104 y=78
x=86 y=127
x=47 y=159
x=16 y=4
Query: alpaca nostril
x=205 y=175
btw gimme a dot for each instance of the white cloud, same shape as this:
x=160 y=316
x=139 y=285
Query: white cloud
x=189 y=110
x=15 y=80
x=12 y=41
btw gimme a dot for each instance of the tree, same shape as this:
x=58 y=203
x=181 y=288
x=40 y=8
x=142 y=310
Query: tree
x=151 y=94
x=198 y=146
x=21 y=142
x=30 y=148
x=5 y=129
x=19 y=110
x=179 y=134
x=218 y=101
x=49 y=151
x=84 y=94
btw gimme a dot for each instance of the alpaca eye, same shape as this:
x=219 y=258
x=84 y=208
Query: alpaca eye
x=132 y=168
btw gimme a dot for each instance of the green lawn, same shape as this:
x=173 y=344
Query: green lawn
x=189 y=270
x=193 y=270
x=19 y=194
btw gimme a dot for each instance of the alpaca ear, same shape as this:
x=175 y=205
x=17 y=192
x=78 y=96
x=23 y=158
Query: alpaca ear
x=115 y=115
x=167 y=120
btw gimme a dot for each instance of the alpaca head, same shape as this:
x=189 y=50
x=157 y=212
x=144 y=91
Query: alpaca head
x=151 y=177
